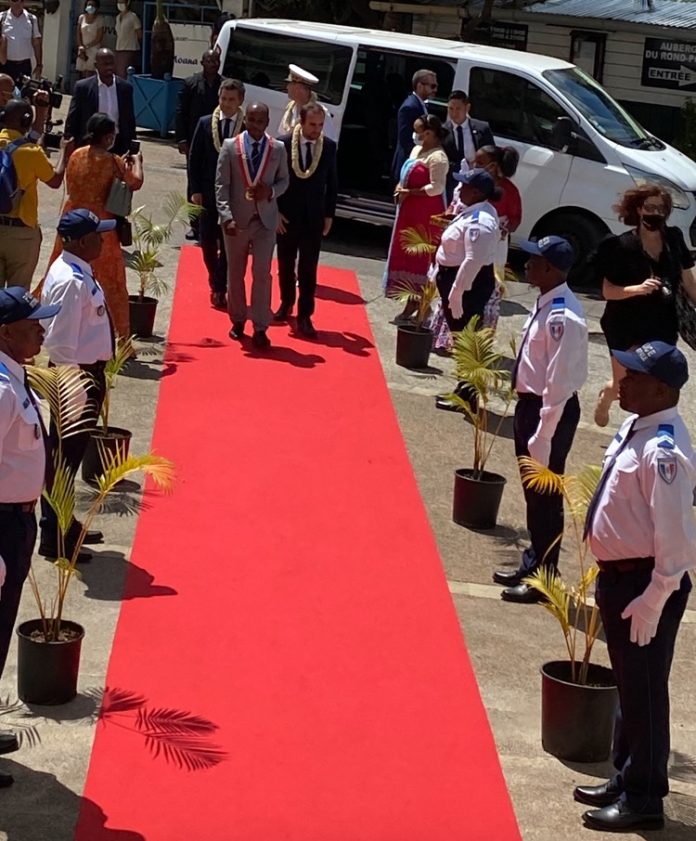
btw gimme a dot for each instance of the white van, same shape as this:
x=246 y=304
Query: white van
x=579 y=149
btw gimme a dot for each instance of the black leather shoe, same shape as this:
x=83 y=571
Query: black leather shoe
x=84 y=556
x=260 y=339
x=441 y=402
x=92 y=536
x=508 y=578
x=8 y=742
x=306 y=328
x=218 y=300
x=618 y=818
x=237 y=330
x=6 y=780
x=603 y=795
x=283 y=312
x=522 y=593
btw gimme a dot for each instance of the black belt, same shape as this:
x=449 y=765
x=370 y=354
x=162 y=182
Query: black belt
x=24 y=507
x=627 y=565
x=96 y=367
x=12 y=221
x=527 y=395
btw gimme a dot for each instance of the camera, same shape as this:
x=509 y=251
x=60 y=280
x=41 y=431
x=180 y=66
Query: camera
x=29 y=87
x=134 y=147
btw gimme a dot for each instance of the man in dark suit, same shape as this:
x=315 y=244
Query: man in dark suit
x=226 y=121
x=307 y=210
x=104 y=93
x=466 y=135
x=424 y=85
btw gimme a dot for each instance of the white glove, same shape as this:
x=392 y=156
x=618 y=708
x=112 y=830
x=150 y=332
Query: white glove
x=456 y=303
x=644 y=620
x=540 y=449
x=3 y=570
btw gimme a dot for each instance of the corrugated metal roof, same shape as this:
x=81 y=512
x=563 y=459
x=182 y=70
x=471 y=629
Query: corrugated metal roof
x=670 y=13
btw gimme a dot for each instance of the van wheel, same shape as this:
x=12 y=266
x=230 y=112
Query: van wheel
x=584 y=234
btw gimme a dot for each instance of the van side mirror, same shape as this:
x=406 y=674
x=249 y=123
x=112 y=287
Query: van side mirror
x=562 y=134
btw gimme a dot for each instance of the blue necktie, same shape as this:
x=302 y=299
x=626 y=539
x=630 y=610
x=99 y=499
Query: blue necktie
x=594 y=502
x=255 y=158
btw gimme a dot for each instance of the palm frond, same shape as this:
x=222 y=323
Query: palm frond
x=64 y=388
x=61 y=497
x=539 y=478
x=123 y=352
x=463 y=406
x=166 y=720
x=118 y=467
x=557 y=598
x=580 y=489
x=477 y=359
x=417 y=241
x=112 y=701
x=405 y=291
x=184 y=752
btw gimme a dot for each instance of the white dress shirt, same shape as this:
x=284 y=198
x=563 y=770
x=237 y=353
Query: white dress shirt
x=19 y=30
x=470 y=242
x=645 y=508
x=22 y=448
x=469 y=151
x=552 y=356
x=108 y=99
x=81 y=333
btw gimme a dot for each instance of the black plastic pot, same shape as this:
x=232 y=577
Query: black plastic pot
x=476 y=501
x=47 y=671
x=413 y=346
x=142 y=315
x=101 y=443
x=577 y=722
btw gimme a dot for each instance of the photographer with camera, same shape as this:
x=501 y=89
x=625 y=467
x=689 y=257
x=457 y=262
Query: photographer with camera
x=20 y=41
x=22 y=165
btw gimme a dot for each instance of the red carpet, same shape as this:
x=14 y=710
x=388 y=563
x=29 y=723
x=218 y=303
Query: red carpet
x=311 y=622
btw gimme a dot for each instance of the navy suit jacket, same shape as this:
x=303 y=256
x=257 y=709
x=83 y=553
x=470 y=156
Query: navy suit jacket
x=85 y=103
x=202 y=162
x=411 y=108
x=311 y=199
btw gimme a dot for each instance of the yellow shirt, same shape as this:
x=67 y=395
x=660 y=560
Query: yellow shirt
x=31 y=165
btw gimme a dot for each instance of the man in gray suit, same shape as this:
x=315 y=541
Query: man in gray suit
x=252 y=172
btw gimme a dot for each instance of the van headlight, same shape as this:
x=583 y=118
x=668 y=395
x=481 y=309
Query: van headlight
x=680 y=199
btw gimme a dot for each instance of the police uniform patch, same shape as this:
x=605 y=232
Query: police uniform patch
x=100 y=310
x=667 y=468
x=474 y=234
x=556 y=319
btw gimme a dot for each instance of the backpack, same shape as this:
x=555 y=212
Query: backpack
x=10 y=194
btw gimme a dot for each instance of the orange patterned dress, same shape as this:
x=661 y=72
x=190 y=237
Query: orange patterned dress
x=88 y=180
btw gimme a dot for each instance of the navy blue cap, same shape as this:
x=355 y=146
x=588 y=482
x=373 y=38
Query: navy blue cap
x=558 y=251
x=16 y=304
x=661 y=360
x=78 y=223
x=480 y=179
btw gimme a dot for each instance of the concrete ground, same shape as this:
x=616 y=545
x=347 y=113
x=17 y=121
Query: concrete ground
x=507 y=643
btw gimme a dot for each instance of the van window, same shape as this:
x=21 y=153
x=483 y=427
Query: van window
x=262 y=58
x=514 y=107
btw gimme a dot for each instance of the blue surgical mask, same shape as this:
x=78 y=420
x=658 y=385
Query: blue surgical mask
x=417 y=139
x=91 y=10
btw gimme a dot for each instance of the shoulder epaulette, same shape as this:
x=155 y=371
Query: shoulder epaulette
x=4 y=373
x=665 y=436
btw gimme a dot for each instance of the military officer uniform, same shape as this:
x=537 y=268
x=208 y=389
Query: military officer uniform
x=550 y=369
x=22 y=468
x=291 y=115
x=82 y=336
x=641 y=529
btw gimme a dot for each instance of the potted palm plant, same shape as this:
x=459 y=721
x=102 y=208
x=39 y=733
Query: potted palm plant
x=477 y=491
x=148 y=239
x=104 y=438
x=578 y=697
x=49 y=646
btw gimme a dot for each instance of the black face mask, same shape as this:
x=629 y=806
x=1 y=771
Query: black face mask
x=653 y=221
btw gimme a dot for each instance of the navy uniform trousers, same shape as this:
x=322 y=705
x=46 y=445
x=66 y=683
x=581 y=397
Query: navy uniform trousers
x=641 y=732
x=544 y=511
x=17 y=538
x=473 y=301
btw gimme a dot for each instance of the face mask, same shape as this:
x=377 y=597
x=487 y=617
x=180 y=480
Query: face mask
x=122 y=7
x=91 y=10
x=653 y=221
x=417 y=139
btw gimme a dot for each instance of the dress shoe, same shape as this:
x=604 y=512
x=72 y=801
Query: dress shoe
x=8 y=742
x=618 y=817
x=283 y=312
x=447 y=405
x=306 y=328
x=218 y=301
x=508 y=578
x=603 y=795
x=92 y=536
x=237 y=330
x=6 y=780
x=465 y=392
x=191 y=235
x=522 y=593
x=84 y=556
x=260 y=339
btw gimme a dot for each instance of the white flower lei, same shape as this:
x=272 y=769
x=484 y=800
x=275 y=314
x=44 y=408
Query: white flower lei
x=295 y=154
x=215 y=126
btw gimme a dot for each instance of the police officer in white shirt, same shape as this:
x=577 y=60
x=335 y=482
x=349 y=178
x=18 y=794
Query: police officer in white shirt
x=550 y=369
x=640 y=525
x=82 y=336
x=22 y=459
x=465 y=277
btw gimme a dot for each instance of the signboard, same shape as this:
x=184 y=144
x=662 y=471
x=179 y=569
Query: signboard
x=512 y=36
x=669 y=63
x=190 y=42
